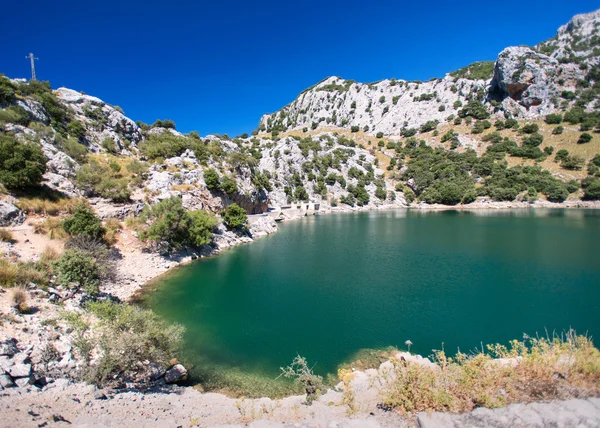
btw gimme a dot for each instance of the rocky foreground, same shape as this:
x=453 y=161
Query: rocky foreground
x=80 y=405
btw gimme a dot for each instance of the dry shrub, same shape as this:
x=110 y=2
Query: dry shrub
x=49 y=255
x=21 y=273
x=135 y=223
x=8 y=273
x=52 y=226
x=529 y=370
x=113 y=227
x=6 y=235
x=49 y=206
x=18 y=299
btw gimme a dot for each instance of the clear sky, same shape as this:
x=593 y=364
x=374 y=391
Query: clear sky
x=217 y=66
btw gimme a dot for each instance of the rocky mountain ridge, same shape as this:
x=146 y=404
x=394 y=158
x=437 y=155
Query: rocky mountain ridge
x=525 y=82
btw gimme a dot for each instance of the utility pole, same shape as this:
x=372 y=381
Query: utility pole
x=32 y=59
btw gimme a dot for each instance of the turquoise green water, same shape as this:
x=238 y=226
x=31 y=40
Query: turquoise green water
x=325 y=287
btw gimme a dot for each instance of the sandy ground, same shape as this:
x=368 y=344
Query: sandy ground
x=29 y=245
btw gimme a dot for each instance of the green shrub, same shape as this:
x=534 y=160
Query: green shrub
x=167 y=123
x=476 y=71
x=234 y=216
x=228 y=185
x=549 y=150
x=474 y=109
x=21 y=164
x=201 y=229
x=354 y=128
x=584 y=138
x=169 y=223
x=430 y=125
x=165 y=145
x=572 y=162
x=557 y=192
x=7 y=89
x=561 y=155
x=109 y=145
x=592 y=189
x=126 y=335
x=533 y=140
x=574 y=116
x=300 y=194
x=558 y=130
x=115 y=189
x=80 y=270
x=530 y=128
x=83 y=222
x=379 y=135
x=74 y=149
x=554 y=119
x=173 y=225
x=212 y=180
x=15 y=114
x=75 y=129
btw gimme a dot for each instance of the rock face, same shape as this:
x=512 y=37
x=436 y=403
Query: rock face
x=101 y=120
x=525 y=76
x=387 y=106
x=527 y=81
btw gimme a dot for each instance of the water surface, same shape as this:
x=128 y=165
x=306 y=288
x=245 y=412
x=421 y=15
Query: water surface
x=327 y=286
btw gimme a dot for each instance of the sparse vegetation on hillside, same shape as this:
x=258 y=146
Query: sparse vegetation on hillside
x=476 y=71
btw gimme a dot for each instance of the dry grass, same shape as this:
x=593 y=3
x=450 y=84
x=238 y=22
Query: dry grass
x=113 y=227
x=183 y=187
x=49 y=207
x=530 y=370
x=52 y=226
x=6 y=235
x=18 y=298
x=49 y=255
x=134 y=223
x=22 y=273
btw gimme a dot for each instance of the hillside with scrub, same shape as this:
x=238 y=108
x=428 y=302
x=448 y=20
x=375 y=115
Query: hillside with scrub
x=93 y=205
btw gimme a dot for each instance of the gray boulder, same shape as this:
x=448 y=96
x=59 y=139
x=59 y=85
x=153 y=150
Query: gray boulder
x=8 y=347
x=20 y=370
x=176 y=373
x=10 y=215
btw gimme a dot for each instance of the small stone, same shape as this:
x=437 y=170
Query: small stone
x=100 y=395
x=8 y=347
x=40 y=381
x=6 y=381
x=23 y=382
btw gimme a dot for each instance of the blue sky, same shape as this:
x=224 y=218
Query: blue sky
x=217 y=66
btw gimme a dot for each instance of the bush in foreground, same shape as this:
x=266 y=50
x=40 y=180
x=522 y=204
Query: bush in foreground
x=79 y=270
x=124 y=335
x=537 y=369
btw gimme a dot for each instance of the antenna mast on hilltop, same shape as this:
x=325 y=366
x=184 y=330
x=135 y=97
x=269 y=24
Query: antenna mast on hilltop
x=32 y=59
